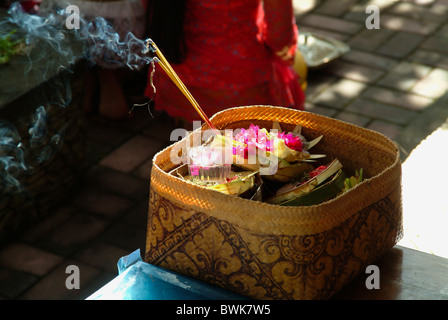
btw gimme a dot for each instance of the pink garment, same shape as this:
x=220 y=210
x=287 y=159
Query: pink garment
x=231 y=58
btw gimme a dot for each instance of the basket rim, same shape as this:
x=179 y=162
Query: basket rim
x=284 y=215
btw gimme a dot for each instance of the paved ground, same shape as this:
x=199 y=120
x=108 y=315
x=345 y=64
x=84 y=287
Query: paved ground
x=393 y=81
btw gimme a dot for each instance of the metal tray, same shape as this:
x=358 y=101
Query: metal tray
x=319 y=50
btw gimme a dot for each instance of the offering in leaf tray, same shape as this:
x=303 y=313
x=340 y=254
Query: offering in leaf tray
x=311 y=180
x=279 y=156
x=299 y=179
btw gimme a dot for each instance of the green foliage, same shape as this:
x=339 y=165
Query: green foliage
x=9 y=47
x=353 y=180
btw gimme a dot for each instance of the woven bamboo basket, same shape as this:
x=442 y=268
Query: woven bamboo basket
x=266 y=251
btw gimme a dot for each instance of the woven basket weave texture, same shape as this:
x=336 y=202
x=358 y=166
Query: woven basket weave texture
x=265 y=251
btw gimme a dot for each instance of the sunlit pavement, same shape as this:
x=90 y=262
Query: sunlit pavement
x=425 y=195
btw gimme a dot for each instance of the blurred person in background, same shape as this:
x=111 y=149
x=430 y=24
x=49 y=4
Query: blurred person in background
x=227 y=53
x=30 y=6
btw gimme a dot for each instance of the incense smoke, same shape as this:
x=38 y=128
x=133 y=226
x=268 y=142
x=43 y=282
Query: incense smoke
x=47 y=36
x=11 y=157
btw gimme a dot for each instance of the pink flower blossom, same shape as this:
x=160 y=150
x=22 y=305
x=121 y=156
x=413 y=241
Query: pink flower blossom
x=252 y=138
x=256 y=138
x=292 y=142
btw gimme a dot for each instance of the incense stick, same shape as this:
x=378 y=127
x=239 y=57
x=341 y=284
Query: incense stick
x=175 y=78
